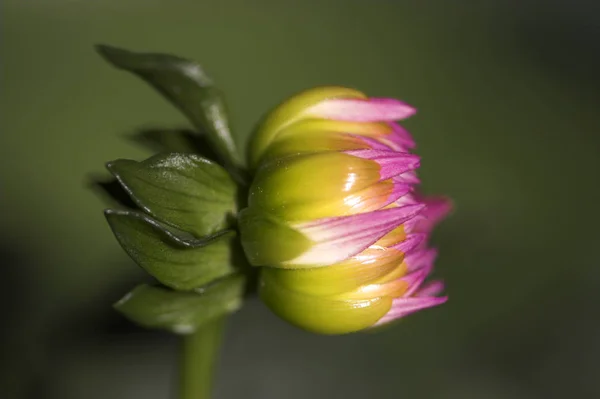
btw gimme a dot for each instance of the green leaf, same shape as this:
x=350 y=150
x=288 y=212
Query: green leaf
x=182 y=312
x=183 y=190
x=175 y=262
x=186 y=85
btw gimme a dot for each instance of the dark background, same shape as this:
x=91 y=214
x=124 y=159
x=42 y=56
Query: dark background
x=507 y=92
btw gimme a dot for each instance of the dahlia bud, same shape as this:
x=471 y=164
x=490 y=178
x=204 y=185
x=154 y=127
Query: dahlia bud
x=332 y=216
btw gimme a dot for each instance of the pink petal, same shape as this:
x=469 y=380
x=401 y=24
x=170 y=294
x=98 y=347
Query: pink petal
x=407 y=200
x=373 y=143
x=411 y=242
x=339 y=238
x=409 y=177
x=358 y=110
x=415 y=279
x=437 y=209
x=404 y=306
x=415 y=224
x=431 y=289
x=392 y=163
x=401 y=137
x=399 y=191
x=418 y=259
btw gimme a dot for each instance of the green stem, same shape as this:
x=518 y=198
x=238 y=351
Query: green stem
x=198 y=360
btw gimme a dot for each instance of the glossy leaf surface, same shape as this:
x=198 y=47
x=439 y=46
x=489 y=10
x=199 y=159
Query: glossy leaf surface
x=182 y=312
x=175 y=262
x=183 y=190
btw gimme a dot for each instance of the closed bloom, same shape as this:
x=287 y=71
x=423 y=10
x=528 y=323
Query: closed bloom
x=333 y=218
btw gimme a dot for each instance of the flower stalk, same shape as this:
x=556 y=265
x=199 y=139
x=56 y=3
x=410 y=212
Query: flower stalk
x=199 y=355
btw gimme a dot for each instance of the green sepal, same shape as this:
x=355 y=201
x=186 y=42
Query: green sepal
x=175 y=262
x=182 y=312
x=183 y=190
x=186 y=85
x=259 y=232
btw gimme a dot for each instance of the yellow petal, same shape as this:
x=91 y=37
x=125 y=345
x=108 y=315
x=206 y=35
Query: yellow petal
x=320 y=314
x=291 y=111
x=370 y=266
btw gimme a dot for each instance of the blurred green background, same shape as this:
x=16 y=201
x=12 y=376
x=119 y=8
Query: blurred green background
x=508 y=127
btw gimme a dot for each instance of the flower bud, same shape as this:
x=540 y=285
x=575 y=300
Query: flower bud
x=332 y=217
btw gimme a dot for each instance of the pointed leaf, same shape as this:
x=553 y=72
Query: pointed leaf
x=186 y=85
x=176 y=263
x=183 y=190
x=182 y=312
